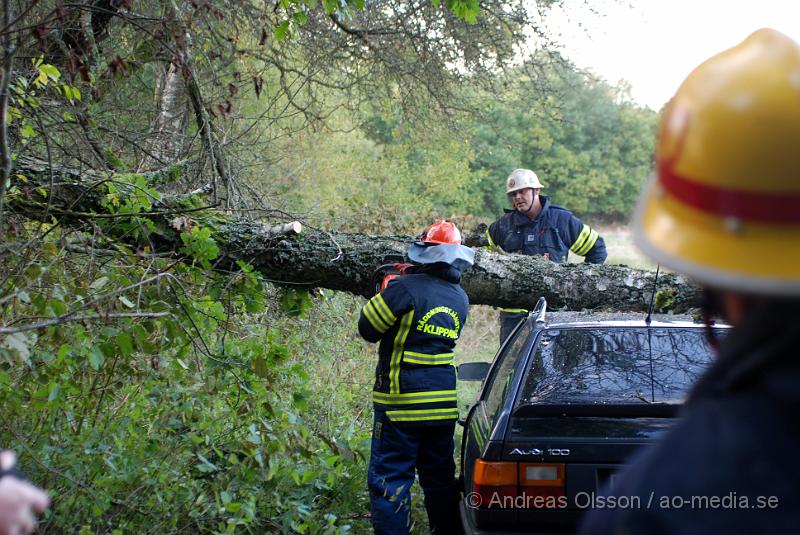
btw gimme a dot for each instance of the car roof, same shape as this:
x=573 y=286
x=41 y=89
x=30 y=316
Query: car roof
x=615 y=319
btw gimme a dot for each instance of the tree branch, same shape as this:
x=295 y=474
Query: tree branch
x=72 y=318
x=5 y=81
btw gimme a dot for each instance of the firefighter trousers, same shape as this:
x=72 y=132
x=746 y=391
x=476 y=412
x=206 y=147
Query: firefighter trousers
x=399 y=450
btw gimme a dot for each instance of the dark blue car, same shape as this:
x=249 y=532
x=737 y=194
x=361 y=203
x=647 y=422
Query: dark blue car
x=562 y=407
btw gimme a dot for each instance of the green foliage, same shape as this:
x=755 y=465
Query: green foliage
x=591 y=147
x=295 y=302
x=348 y=181
x=664 y=299
x=199 y=244
x=26 y=93
x=243 y=291
x=213 y=418
x=588 y=143
x=297 y=12
x=465 y=9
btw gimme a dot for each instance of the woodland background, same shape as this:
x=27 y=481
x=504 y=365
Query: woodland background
x=166 y=392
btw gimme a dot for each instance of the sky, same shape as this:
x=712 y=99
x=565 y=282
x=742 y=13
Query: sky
x=655 y=44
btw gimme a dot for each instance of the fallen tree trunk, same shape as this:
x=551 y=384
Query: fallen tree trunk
x=340 y=261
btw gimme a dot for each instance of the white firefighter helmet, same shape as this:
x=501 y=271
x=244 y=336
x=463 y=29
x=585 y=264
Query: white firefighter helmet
x=521 y=179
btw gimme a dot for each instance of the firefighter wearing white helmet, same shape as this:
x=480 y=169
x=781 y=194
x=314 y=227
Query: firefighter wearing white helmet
x=535 y=227
x=724 y=209
x=520 y=179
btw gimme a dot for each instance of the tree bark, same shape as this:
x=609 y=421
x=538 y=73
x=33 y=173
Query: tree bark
x=165 y=142
x=346 y=261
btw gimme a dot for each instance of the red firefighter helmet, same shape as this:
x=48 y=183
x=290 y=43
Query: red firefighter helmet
x=441 y=232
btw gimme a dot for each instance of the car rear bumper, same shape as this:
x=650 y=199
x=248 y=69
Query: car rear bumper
x=471 y=529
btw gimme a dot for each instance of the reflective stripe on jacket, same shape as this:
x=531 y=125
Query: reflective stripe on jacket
x=553 y=233
x=417 y=320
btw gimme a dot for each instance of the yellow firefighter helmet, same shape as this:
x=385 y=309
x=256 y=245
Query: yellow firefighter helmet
x=724 y=204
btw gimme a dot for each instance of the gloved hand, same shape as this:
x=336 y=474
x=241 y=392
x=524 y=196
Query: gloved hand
x=19 y=500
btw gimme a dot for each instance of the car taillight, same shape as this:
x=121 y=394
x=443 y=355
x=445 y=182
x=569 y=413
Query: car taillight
x=509 y=485
x=494 y=483
x=541 y=479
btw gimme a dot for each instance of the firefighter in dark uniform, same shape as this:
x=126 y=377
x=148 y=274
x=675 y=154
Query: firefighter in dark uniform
x=724 y=209
x=536 y=227
x=417 y=319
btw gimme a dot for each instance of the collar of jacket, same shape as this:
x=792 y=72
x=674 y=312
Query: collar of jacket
x=440 y=270
x=762 y=353
x=519 y=219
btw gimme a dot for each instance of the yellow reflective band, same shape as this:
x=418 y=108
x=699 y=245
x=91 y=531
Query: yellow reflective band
x=590 y=242
x=422 y=415
x=423 y=358
x=383 y=309
x=373 y=318
x=514 y=310
x=580 y=240
x=414 y=397
x=492 y=245
x=397 y=352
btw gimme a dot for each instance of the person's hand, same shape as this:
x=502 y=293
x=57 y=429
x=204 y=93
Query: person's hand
x=19 y=500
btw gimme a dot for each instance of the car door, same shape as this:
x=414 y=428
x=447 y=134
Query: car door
x=495 y=399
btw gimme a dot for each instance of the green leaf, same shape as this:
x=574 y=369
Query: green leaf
x=58 y=307
x=18 y=343
x=125 y=344
x=300 y=17
x=96 y=358
x=125 y=301
x=206 y=466
x=27 y=132
x=330 y=6
x=141 y=335
x=282 y=30
x=55 y=389
x=110 y=331
x=50 y=72
x=233 y=507
x=99 y=283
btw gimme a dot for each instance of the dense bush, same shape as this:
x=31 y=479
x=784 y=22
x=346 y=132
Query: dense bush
x=221 y=412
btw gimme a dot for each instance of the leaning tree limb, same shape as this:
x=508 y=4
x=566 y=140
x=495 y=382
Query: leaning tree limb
x=344 y=261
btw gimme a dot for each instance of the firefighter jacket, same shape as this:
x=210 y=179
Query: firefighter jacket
x=417 y=319
x=554 y=232
x=737 y=442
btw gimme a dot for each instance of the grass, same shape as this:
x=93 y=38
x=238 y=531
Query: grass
x=621 y=250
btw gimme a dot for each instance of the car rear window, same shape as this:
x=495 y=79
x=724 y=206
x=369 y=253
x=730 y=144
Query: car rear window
x=615 y=366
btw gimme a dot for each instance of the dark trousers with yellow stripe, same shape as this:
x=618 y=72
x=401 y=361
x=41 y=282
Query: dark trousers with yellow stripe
x=397 y=451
